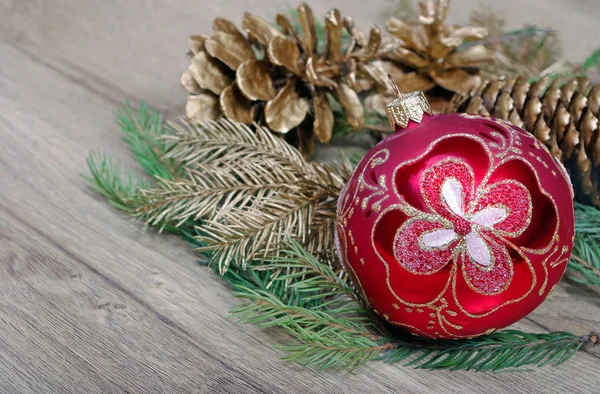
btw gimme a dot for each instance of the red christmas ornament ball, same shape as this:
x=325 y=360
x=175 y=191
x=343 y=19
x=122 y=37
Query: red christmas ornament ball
x=456 y=226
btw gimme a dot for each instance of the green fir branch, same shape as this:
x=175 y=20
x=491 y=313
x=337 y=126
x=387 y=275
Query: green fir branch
x=329 y=328
x=107 y=179
x=584 y=266
x=143 y=131
x=343 y=334
x=592 y=61
x=508 y=349
x=308 y=276
x=292 y=289
x=587 y=220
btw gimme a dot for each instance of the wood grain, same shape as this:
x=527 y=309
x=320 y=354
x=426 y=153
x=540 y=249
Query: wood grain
x=66 y=327
x=116 y=48
x=90 y=303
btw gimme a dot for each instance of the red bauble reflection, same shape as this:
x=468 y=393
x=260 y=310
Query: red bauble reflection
x=456 y=227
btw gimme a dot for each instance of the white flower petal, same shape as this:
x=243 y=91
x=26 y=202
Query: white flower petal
x=438 y=238
x=489 y=216
x=478 y=250
x=453 y=195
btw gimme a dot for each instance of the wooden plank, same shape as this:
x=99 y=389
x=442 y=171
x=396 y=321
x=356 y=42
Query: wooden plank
x=136 y=49
x=572 y=307
x=47 y=126
x=65 y=327
x=116 y=48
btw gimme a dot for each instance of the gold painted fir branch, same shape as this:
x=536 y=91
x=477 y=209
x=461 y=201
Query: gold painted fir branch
x=246 y=191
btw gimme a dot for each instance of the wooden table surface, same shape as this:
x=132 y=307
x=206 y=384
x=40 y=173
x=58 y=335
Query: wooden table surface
x=89 y=303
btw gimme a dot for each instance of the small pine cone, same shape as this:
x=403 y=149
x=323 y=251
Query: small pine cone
x=563 y=114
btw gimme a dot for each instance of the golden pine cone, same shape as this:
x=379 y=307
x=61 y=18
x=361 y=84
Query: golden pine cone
x=563 y=114
x=280 y=77
x=431 y=57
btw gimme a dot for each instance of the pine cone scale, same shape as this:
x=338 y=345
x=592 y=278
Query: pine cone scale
x=374 y=44
x=351 y=104
x=253 y=77
x=473 y=56
x=307 y=21
x=457 y=80
x=226 y=26
x=259 y=30
x=209 y=73
x=287 y=28
x=504 y=106
x=594 y=99
x=202 y=107
x=408 y=58
x=284 y=52
x=333 y=38
x=287 y=109
x=189 y=83
x=196 y=43
x=229 y=49
x=323 y=123
x=235 y=106
x=414 y=36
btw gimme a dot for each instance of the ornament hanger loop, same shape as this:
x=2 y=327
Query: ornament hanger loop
x=394 y=86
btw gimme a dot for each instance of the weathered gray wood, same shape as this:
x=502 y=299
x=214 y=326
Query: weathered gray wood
x=73 y=63
x=135 y=49
x=573 y=308
x=47 y=126
x=116 y=47
x=65 y=327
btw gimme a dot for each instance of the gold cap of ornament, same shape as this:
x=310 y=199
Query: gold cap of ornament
x=408 y=106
